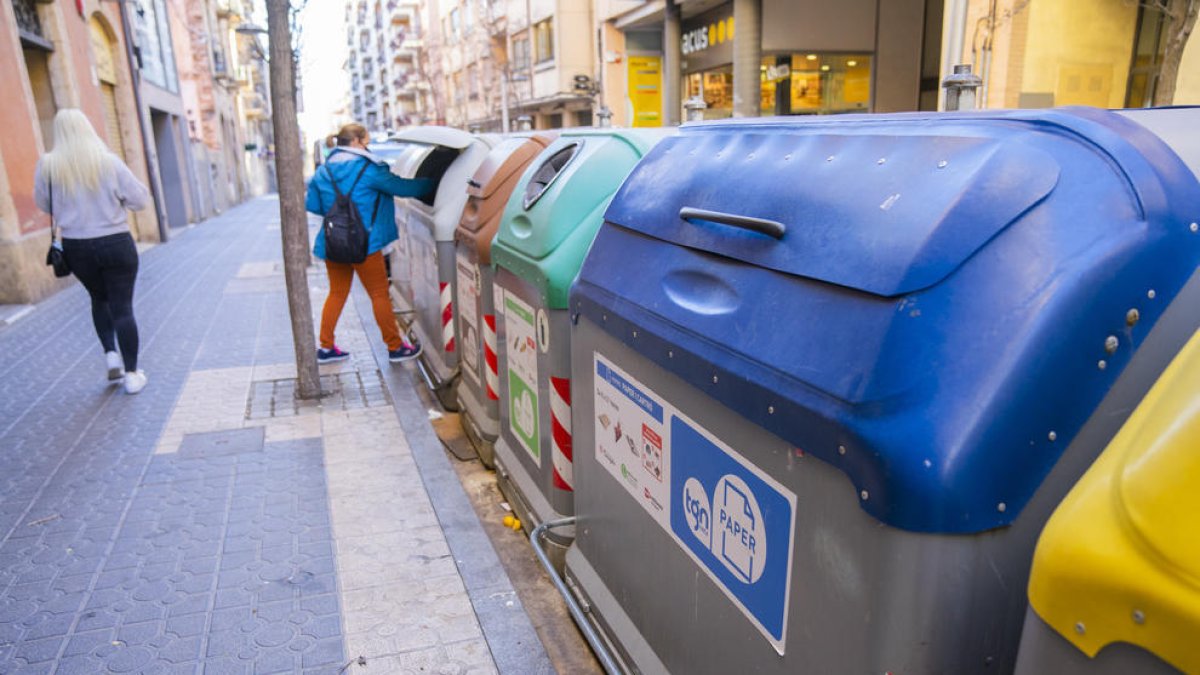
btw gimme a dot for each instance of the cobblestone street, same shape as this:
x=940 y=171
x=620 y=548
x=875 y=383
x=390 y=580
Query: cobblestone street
x=215 y=523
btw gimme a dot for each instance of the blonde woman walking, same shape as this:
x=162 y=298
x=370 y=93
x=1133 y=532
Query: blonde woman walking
x=87 y=190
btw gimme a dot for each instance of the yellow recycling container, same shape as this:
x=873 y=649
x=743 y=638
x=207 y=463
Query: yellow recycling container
x=1115 y=585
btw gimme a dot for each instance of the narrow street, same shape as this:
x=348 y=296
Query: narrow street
x=216 y=524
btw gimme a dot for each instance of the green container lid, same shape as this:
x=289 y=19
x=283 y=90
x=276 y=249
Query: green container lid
x=558 y=206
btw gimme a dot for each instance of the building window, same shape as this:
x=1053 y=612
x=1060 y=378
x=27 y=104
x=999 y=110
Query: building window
x=1148 y=43
x=28 y=22
x=455 y=26
x=520 y=57
x=543 y=32
x=457 y=88
x=473 y=81
x=816 y=84
x=154 y=37
x=716 y=88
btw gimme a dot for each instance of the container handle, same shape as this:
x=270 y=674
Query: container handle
x=771 y=228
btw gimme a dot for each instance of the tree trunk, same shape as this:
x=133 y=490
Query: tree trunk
x=1181 y=19
x=289 y=167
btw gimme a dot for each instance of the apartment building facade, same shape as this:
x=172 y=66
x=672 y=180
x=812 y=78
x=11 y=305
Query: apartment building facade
x=383 y=39
x=53 y=55
x=1042 y=53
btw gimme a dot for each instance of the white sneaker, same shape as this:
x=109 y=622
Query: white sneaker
x=135 y=382
x=116 y=367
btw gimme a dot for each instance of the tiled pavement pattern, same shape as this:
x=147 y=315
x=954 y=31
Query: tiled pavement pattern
x=210 y=524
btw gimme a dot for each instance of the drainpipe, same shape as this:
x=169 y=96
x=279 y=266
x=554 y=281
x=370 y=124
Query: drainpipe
x=135 y=81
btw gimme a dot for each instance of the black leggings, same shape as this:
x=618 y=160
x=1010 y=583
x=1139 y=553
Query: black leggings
x=107 y=267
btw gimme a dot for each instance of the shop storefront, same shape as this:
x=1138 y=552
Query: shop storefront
x=793 y=83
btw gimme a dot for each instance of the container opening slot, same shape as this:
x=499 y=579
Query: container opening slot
x=547 y=172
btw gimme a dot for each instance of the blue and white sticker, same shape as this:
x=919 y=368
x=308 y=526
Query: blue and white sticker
x=733 y=520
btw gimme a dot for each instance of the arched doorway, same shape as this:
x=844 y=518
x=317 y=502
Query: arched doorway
x=104 y=48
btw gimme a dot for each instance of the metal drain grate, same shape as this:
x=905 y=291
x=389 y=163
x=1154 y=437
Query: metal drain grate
x=343 y=391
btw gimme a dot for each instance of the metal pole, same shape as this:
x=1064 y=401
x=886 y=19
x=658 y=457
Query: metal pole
x=532 y=51
x=289 y=170
x=695 y=107
x=504 y=101
x=747 y=58
x=135 y=81
x=671 y=71
x=954 y=26
x=603 y=655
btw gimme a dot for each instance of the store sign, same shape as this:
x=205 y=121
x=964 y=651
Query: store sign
x=645 y=90
x=707 y=40
x=695 y=40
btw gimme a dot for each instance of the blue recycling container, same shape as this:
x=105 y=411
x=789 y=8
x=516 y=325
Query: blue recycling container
x=831 y=376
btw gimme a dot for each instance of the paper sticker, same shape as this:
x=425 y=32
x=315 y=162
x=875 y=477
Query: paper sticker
x=468 y=317
x=522 y=352
x=731 y=518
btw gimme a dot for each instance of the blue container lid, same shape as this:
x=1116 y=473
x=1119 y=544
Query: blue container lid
x=917 y=299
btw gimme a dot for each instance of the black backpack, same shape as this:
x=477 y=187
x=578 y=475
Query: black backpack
x=346 y=238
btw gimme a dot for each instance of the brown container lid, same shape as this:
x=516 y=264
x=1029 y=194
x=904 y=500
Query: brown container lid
x=490 y=188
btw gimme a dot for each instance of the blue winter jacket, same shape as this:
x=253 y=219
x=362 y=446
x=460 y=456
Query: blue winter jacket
x=372 y=195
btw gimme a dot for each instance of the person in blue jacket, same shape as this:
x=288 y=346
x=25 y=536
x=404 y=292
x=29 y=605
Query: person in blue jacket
x=372 y=195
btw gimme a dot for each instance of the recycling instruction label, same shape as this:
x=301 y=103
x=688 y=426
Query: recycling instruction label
x=729 y=516
x=468 y=316
x=522 y=354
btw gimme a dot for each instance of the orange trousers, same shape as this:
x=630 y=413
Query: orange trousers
x=373 y=274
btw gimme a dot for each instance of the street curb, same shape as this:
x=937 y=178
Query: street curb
x=506 y=627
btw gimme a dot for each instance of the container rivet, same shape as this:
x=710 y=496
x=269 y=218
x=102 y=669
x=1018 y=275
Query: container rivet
x=770 y=410
x=1150 y=294
x=1111 y=343
x=865 y=495
x=1102 y=364
x=1079 y=628
x=928 y=464
x=787 y=158
x=841 y=449
x=1194 y=227
x=881 y=160
x=829 y=158
x=1052 y=436
x=1139 y=617
x=604 y=317
x=635 y=333
x=1002 y=507
x=750 y=156
x=943 y=164
x=1132 y=317
x=714 y=379
x=670 y=354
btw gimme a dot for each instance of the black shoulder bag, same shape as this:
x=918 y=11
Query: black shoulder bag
x=55 y=257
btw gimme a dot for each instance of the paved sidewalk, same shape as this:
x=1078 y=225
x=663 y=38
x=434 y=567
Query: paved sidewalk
x=215 y=523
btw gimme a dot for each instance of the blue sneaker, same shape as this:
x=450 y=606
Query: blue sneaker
x=331 y=355
x=405 y=353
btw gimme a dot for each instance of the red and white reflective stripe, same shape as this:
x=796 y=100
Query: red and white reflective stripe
x=560 y=426
x=447 y=318
x=492 y=375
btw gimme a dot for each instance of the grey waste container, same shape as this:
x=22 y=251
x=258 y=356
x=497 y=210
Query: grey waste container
x=426 y=288
x=830 y=376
